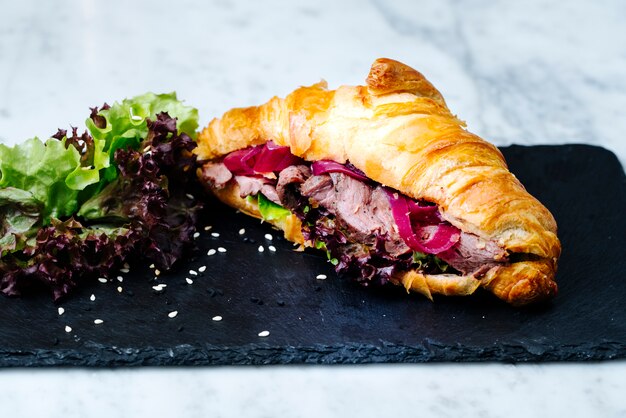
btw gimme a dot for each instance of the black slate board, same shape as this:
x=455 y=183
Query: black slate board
x=335 y=321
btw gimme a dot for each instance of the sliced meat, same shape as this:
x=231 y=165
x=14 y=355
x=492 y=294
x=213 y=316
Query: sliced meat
x=361 y=210
x=288 y=181
x=348 y=200
x=474 y=255
x=382 y=209
x=269 y=191
x=216 y=174
x=250 y=185
x=396 y=247
x=352 y=208
x=394 y=244
x=319 y=189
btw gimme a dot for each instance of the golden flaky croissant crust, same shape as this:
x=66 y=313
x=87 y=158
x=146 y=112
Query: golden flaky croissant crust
x=398 y=130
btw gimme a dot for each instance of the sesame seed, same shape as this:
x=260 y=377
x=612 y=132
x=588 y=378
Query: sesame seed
x=98 y=321
x=119 y=289
x=196 y=234
x=61 y=310
x=242 y=231
x=190 y=196
x=272 y=248
x=321 y=277
x=124 y=270
x=211 y=252
x=217 y=318
x=172 y=314
x=68 y=328
x=264 y=333
x=151 y=266
x=202 y=269
x=261 y=249
x=120 y=279
x=92 y=297
x=159 y=287
x=102 y=280
x=215 y=234
x=157 y=272
x=189 y=281
x=221 y=249
x=193 y=272
x=146 y=149
x=269 y=237
x=208 y=228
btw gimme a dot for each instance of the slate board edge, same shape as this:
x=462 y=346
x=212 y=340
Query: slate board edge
x=96 y=355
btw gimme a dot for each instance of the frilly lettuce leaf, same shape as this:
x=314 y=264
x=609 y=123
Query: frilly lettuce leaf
x=124 y=124
x=90 y=172
x=20 y=218
x=42 y=169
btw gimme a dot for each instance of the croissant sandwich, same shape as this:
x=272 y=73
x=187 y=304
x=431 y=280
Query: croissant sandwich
x=388 y=183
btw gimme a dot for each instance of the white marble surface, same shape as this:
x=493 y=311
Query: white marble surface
x=525 y=72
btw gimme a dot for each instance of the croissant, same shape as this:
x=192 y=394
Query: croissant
x=390 y=183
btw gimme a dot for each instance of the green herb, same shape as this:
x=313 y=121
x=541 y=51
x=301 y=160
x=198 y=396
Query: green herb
x=421 y=260
x=419 y=257
x=441 y=265
x=322 y=246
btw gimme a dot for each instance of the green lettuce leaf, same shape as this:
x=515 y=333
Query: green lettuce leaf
x=269 y=210
x=421 y=259
x=124 y=124
x=90 y=174
x=42 y=169
x=20 y=218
